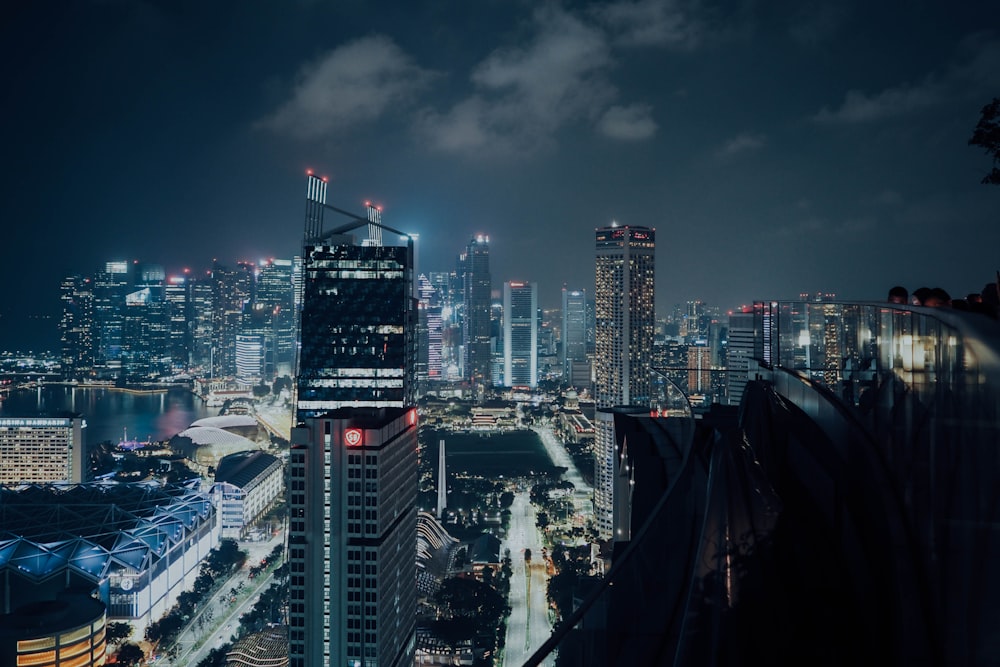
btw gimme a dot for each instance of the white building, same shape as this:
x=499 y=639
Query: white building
x=246 y=486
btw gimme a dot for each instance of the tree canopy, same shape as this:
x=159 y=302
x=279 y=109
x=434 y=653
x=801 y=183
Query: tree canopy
x=987 y=136
x=130 y=655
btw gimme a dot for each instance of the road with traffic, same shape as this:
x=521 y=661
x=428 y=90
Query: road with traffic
x=528 y=625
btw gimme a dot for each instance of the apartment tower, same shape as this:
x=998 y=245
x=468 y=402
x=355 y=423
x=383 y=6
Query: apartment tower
x=624 y=326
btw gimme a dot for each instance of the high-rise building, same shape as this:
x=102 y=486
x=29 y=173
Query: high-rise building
x=699 y=369
x=43 y=449
x=573 y=351
x=145 y=351
x=178 y=296
x=476 y=322
x=275 y=294
x=352 y=530
x=76 y=326
x=110 y=287
x=624 y=328
x=255 y=345
x=431 y=329
x=353 y=462
x=520 y=334
x=202 y=312
x=232 y=289
x=739 y=352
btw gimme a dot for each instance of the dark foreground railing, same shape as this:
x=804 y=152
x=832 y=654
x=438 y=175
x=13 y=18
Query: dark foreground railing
x=850 y=515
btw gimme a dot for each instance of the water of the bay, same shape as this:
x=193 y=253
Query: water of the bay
x=109 y=413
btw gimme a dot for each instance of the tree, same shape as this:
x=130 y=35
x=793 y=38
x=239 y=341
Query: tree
x=118 y=632
x=987 y=136
x=130 y=655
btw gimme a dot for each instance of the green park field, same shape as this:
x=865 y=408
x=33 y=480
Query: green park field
x=489 y=455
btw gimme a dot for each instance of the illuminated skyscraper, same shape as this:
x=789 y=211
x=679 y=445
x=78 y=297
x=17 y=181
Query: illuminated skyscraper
x=352 y=531
x=431 y=327
x=231 y=291
x=43 y=449
x=353 y=461
x=573 y=351
x=110 y=287
x=178 y=296
x=625 y=322
x=202 y=313
x=76 y=326
x=699 y=369
x=477 y=289
x=520 y=334
x=275 y=295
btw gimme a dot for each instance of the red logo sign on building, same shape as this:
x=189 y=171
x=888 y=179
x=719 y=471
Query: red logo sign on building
x=352 y=437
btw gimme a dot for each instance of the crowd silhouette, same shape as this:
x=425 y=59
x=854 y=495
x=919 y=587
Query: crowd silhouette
x=986 y=301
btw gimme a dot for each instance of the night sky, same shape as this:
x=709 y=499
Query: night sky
x=776 y=146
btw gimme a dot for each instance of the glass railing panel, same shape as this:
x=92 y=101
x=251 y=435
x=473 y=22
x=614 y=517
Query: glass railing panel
x=922 y=388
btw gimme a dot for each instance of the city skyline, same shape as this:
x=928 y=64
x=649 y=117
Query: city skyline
x=776 y=149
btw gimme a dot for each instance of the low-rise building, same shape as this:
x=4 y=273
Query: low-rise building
x=246 y=486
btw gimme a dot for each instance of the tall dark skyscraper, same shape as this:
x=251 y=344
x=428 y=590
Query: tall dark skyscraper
x=353 y=462
x=477 y=287
x=76 y=326
x=358 y=327
x=625 y=323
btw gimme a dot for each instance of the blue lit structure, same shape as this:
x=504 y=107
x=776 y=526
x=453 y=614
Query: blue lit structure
x=137 y=545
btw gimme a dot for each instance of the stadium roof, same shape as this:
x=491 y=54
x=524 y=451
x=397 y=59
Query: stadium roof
x=226 y=421
x=210 y=435
x=94 y=528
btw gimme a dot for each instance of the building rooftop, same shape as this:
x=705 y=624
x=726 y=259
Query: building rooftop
x=93 y=528
x=241 y=468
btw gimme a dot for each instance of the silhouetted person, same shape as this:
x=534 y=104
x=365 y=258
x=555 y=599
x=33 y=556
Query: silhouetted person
x=991 y=300
x=937 y=298
x=919 y=295
x=898 y=294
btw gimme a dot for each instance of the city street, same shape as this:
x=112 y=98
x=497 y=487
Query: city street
x=528 y=625
x=217 y=620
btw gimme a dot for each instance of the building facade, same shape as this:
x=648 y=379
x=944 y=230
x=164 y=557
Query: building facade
x=358 y=328
x=624 y=328
x=520 y=334
x=573 y=350
x=477 y=315
x=246 y=485
x=352 y=532
x=739 y=352
x=43 y=449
